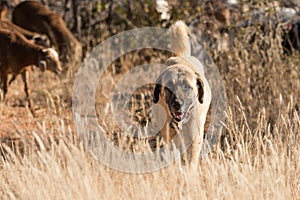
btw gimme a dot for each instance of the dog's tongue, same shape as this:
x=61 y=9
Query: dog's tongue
x=178 y=115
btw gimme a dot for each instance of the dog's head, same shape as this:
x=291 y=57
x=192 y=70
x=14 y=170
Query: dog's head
x=180 y=88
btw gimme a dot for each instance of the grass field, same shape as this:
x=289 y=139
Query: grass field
x=257 y=155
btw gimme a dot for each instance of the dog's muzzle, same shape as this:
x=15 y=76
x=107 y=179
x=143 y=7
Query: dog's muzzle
x=179 y=116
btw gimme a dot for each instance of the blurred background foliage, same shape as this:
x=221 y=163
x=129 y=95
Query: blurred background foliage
x=244 y=38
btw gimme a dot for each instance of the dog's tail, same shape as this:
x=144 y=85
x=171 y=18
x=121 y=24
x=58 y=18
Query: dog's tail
x=180 y=40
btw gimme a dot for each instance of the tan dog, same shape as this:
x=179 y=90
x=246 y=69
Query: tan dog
x=184 y=93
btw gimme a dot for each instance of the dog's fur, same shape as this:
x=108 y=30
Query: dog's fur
x=184 y=93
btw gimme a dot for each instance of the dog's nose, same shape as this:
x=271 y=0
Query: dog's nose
x=176 y=105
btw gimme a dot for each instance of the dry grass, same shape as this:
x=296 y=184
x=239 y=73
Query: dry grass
x=262 y=164
x=256 y=157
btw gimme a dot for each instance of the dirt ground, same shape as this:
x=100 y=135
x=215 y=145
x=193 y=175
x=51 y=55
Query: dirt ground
x=51 y=97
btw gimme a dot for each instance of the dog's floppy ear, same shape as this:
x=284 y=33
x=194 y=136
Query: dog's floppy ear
x=157 y=90
x=200 y=87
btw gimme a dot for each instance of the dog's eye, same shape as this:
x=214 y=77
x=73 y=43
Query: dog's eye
x=186 y=86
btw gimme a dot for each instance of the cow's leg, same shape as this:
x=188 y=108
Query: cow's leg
x=25 y=78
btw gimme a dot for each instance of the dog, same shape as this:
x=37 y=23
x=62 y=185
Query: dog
x=184 y=93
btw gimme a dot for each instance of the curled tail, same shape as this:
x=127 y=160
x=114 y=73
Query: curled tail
x=180 y=40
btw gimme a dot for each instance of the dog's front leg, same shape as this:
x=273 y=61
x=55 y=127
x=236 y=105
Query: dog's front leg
x=193 y=135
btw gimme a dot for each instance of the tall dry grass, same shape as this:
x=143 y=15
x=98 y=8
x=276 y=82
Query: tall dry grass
x=262 y=163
